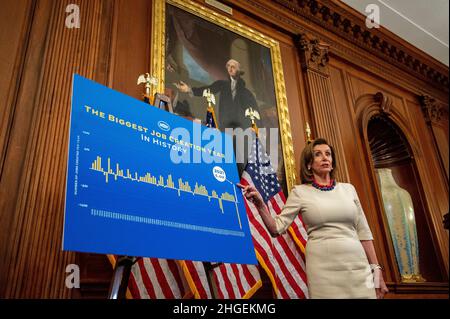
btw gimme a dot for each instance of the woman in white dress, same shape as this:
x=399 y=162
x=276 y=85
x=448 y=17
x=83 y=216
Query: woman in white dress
x=340 y=256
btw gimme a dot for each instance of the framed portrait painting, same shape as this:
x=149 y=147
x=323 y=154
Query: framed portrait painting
x=195 y=49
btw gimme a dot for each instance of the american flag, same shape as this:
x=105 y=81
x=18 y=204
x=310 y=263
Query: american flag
x=281 y=257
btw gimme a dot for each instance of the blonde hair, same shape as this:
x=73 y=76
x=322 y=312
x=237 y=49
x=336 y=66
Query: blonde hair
x=307 y=158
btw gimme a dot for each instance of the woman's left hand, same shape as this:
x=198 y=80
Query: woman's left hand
x=380 y=286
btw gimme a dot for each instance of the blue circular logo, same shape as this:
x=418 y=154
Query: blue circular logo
x=163 y=126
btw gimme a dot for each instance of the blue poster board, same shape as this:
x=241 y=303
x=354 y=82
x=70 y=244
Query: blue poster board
x=144 y=182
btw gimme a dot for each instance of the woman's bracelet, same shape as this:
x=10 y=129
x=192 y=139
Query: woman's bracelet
x=375 y=266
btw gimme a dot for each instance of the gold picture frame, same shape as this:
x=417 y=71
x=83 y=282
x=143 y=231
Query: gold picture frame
x=158 y=65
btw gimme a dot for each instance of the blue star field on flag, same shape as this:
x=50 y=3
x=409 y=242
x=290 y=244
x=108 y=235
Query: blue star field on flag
x=261 y=171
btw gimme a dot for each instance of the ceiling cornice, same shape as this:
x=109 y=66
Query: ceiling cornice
x=349 y=26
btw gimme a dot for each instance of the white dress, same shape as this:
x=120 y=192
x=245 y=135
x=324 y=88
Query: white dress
x=336 y=264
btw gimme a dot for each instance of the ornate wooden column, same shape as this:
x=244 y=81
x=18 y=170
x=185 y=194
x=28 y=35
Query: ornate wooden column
x=314 y=59
x=433 y=114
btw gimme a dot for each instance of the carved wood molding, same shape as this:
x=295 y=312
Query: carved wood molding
x=350 y=28
x=385 y=102
x=314 y=54
x=369 y=105
x=432 y=110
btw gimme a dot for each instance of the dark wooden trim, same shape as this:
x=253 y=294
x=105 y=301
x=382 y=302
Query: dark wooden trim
x=419 y=288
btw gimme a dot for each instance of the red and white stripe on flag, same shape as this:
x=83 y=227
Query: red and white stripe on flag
x=196 y=277
x=233 y=281
x=153 y=278
x=236 y=281
x=281 y=257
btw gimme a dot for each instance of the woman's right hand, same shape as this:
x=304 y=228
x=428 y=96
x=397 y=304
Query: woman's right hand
x=251 y=193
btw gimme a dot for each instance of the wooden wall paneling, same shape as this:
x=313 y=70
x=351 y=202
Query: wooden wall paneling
x=15 y=15
x=13 y=47
x=296 y=100
x=440 y=132
x=436 y=118
x=435 y=114
x=10 y=183
x=131 y=52
x=435 y=186
x=37 y=149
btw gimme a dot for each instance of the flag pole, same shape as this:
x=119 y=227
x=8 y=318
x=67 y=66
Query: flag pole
x=253 y=115
x=122 y=271
x=209 y=268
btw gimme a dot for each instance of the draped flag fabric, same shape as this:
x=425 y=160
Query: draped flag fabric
x=196 y=276
x=232 y=281
x=281 y=257
x=235 y=281
x=154 y=278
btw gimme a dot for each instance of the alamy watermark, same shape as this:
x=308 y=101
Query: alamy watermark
x=212 y=146
x=73 y=17
x=373 y=16
x=73 y=277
